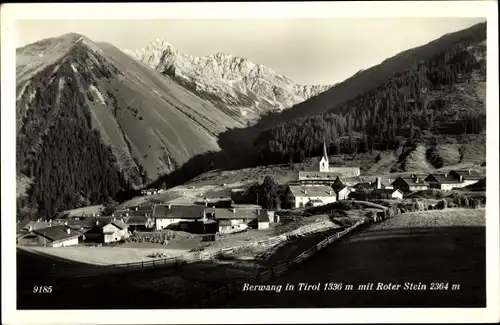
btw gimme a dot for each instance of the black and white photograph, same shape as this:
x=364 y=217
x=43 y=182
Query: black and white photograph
x=266 y=159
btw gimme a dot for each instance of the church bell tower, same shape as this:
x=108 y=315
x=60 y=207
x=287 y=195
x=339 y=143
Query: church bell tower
x=324 y=166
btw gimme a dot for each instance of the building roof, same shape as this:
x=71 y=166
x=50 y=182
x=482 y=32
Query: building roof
x=385 y=191
x=22 y=225
x=178 y=211
x=349 y=180
x=366 y=185
x=136 y=220
x=119 y=224
x=339 y=188
x=56 y=233
x=312 y=191
x=413 y=181
x=444 y=178
x=77 y=224
x=263 y=216
x=238 y=213
x=468 y=174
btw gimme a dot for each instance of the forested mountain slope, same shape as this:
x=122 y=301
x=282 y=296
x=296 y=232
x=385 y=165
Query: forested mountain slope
x=92 y=121
x=438 y=96
x=365 y=80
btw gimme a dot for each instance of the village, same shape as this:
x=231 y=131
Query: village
x=213 y=221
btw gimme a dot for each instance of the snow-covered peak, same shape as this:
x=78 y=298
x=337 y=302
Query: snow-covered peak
x=224 y=77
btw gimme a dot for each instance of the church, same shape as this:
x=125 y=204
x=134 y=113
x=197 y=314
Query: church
x=326 y=174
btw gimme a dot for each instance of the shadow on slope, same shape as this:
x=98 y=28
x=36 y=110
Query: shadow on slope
x=237 y=151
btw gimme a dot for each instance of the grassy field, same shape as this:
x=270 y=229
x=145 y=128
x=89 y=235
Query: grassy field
x=435 y=218
x=106 y=255
x=451 y=251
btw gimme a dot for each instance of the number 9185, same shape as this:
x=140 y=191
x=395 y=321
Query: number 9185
x=42 y=289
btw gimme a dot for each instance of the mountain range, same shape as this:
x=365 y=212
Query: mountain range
x=93 y=120
x=236 y=85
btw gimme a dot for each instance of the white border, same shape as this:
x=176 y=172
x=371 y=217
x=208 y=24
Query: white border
x=12 y=12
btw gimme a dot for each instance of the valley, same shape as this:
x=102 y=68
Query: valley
x=188 y=177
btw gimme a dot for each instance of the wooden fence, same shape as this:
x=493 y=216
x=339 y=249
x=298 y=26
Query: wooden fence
x=185 y=259
x=220 y=295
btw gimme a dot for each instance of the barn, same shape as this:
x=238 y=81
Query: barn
x=55 y=236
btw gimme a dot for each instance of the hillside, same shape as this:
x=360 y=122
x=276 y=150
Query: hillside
x=367 y=79
x=92 y=121
x=241 y=88
x=437 y=95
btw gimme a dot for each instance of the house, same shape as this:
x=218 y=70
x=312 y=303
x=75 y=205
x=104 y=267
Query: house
x=388 y=194
x=300 y=195
x=82 y=225
x=273 y=217
x=142 y=223
x=409 y=184
x=113 y=231
x=25 y=226
x=370 y=186
x=349 y=181
x=263 y=220
x=231 y=220
x=377 y=194
x=54 y=236
x=444 y=181
x=365 y=187
x=185 y=217
x=150 y=191
x=342 y=192
x=466 y=177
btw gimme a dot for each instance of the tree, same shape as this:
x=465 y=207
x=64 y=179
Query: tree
x=269 y=194
x=109 y=207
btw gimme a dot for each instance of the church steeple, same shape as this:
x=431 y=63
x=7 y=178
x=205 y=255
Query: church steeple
x=324 y=166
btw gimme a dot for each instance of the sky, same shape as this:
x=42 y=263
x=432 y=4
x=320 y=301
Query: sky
x=308 y=51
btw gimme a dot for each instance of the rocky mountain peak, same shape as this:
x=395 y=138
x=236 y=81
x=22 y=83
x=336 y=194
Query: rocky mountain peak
x=247 y=88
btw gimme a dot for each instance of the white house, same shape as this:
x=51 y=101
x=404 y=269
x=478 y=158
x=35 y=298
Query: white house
x=342 y=192
x=115 y=231
x=444 y=181
x=263 y=221
x=466 y=177
x=300 y=196
x=184 y=216
x=388 y=194
x=108 y=231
